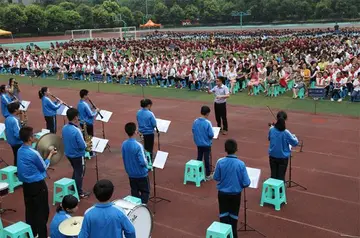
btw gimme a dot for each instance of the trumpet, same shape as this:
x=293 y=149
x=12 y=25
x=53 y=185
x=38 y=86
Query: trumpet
x=87 y=138
x=58 y=99
x=22 y=115
x=93 y=105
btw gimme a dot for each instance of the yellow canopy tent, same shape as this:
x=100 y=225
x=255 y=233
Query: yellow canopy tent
x=6 y=33
x=150 y=24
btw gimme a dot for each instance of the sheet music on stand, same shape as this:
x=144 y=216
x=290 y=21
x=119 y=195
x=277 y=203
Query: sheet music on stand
x=62 y=110
x=24 y=105
x=254 y=175
x=160 y=159
x=162 y=125
x=106 y=116
x=99 y=144
x=216 y=131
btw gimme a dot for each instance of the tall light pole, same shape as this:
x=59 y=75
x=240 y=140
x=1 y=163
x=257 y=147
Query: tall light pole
x=241 y=14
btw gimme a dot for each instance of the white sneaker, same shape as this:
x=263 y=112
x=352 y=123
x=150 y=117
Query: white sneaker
x=332 y=99
x=340 y=100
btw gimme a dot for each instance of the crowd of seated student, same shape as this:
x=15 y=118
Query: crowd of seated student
x=310 y=58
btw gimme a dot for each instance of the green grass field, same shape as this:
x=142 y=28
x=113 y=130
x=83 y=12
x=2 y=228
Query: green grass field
x=284 y=102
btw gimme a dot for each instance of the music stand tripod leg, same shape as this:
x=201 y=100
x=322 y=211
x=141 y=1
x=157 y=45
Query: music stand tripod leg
x=103 y=135
x=3 y=161
x=290 y=183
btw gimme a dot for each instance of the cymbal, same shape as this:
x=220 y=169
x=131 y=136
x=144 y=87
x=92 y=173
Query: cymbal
x=71 y=226
x=46 y=143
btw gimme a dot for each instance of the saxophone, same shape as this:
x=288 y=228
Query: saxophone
x=87 y=139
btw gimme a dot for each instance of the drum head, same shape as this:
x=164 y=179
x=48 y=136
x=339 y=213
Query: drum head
x=142 y=220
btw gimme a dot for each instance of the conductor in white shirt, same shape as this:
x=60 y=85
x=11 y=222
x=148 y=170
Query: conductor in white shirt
x=221 y=92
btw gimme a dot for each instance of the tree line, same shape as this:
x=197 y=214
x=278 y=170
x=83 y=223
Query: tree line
x=59 y=15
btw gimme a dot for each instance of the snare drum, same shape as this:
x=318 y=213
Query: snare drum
x=139 y=215
x=4 y=189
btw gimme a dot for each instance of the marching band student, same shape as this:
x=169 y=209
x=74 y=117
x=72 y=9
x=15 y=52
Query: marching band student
x=136 y=165
x=147 y=123
x=75 y=145
x=203 y=135
x=105 y=219
x=221 y=92
x=31 y=171
x=12 y=129
x=279 y=148
x=49 y=109
x=86 y=115
x=69 y=205
x=229 y=189
x=5 y=101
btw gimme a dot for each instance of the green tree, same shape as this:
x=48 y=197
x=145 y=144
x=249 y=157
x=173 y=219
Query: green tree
x=101 y=17
x=177 y=14
x=14 y=17
x=35 y=18
x=323 y=9
x=161 y=13
x=211 y=10
x=191 y=12
x=138 y=18
x=111 y=7
x=67 y=5
x=72 y=20
x=55 y=18
x=86 y=14
x=127 y=16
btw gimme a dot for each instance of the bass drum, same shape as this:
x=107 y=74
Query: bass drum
x=139 y=215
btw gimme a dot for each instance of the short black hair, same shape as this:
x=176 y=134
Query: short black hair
x=72 y=113
x=2 y=88
x=205 y=110
x=222 y=79
x=42 y=92
x=145 y=102
x=103 y=190
x=26 y=133
x=130 y=128
x=68 y=202
x=12 y=107
x=281 y=114
x=83 y=93
x=230 y=146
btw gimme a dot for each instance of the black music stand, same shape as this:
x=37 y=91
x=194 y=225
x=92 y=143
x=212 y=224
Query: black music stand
x=142 y=82
x=316 y=94
x=99 y=145
x=290 y=183
x=155 y=199
x=104 y=117
x=212 y=168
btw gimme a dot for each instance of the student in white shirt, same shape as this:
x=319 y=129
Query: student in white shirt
x=356 y=91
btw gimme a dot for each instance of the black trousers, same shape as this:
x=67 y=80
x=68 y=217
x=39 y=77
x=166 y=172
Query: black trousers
x=36 y=207
x=51 y=124
x=220 y=115
x=278 y=168
x=229 y=206
x=78 y=165
x=140 y=188
x=149 y=144
x=89 y=129
x=204 y=152
x=15 y=149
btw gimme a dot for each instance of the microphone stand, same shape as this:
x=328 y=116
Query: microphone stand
x=155 y=199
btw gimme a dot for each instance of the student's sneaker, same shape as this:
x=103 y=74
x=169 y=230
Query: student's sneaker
x=340 y=99
x=224 y=132
x=84 y=195
x=332 y=99
x=210 y=177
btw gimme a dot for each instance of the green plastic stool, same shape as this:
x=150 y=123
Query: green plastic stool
x=219 y=230
x=148 y=159
x=19 y=229
x=3 y=136
x=64 y=184
x=237 y=87
x=271 y=193
x=291 y=84
x=244 y=83
x=258 y=89
x=313 y=84
x=301 y=93
x=194 y=172
x=87 y=155
x=132 y=199
x=282 y=90
x=10 y=173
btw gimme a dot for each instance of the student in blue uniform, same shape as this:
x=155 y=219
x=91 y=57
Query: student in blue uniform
x=5 y=100
x=105 y=219
x=49 y=109
x=135 y=164
x=86 y=114
x=68 y=206
x=12 y=128
x=232 y=177
x=147 y=123
x=279 y=148
x=203 y=135
x=75 y=146
x=31 y=170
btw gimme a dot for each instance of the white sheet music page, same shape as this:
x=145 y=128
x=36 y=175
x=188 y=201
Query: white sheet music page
x=99 y=144
x=254 y=175
x=2 y=128
x=25 y=105
x=216 y=131
x=162 y=125
x=62 y=110
x=106 y=116
x=160 y=159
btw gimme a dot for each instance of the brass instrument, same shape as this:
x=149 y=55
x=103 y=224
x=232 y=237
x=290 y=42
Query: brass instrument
x=87 y=138
x=22 y=115
x=48 y=142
